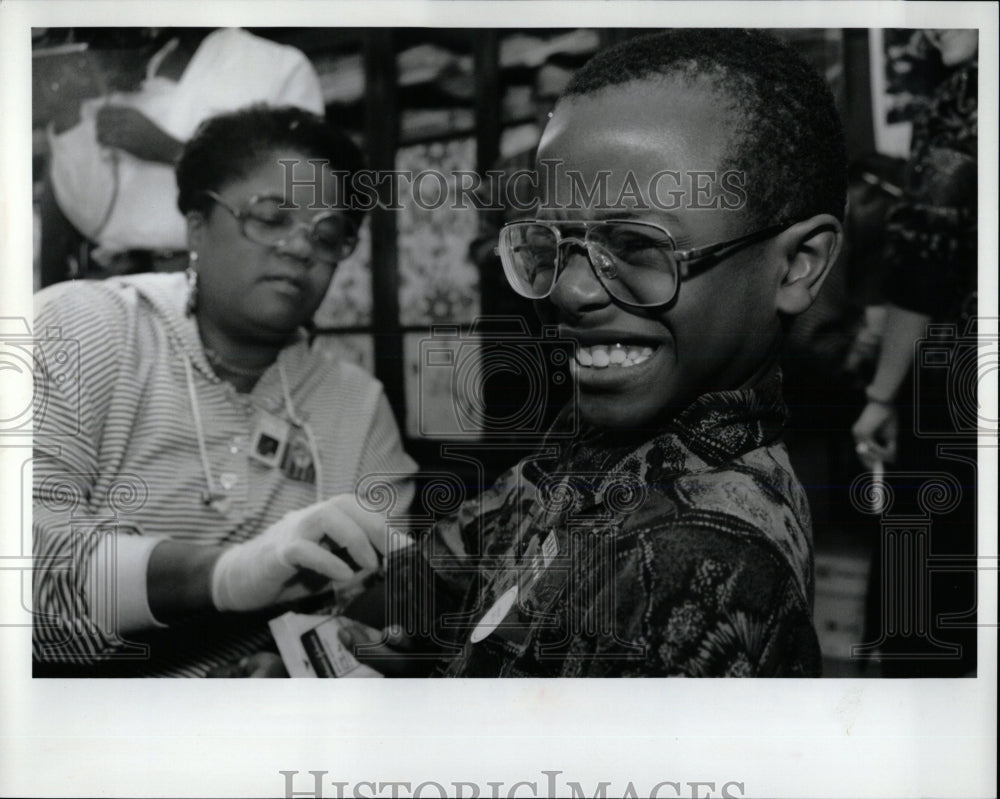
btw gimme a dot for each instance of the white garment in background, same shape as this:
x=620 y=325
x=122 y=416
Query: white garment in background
x=123 y=202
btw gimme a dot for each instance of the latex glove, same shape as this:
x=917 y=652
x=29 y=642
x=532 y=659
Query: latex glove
x=876 y=433
x=277 y=565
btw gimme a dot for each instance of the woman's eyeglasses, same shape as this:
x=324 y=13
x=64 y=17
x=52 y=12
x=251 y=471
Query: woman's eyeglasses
x=636 y=262
x=263 y=221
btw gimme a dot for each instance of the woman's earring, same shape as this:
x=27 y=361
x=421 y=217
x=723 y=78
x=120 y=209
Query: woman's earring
x=191 y=273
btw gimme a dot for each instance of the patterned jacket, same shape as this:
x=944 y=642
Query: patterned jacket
x=685 y=553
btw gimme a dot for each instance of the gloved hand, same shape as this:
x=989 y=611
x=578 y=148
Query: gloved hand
x=267 y=570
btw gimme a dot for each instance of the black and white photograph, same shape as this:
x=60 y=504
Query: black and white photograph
x=292 y=389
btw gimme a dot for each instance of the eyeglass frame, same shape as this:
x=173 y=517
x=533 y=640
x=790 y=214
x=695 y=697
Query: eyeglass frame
x=681 y=256
x=242 y=214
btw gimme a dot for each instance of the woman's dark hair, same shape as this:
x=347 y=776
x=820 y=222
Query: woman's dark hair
x=230 y=146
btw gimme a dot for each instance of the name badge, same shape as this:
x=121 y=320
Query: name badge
x=269 y=439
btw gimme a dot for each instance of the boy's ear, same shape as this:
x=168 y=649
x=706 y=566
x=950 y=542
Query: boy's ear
x=810 y=248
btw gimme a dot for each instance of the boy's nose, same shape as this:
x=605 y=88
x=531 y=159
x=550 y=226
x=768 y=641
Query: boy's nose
x=577 y=289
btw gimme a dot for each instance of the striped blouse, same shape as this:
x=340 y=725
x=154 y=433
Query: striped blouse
x=123 y=393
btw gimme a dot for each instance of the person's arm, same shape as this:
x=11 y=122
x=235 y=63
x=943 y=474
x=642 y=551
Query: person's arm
x=68 y=627
x=903 y=329
x=290 y=560
x=179 y=579
x=180 y=575
x=93 y=564
x=128 y=129
x=876 y=429
x=100 y=585
x=930 y=254
x=97 y=577
x=75 y=374
x=863 y=349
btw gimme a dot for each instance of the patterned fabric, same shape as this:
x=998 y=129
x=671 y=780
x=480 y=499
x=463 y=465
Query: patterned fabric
x=437 y=282
x=117 y=454
x=688 y=553
x=931 y=233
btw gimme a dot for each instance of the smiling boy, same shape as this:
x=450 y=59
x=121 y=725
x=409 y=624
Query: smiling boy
x=669 y=536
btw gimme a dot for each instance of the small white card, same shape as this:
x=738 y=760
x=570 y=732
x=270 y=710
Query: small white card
x=309 y=647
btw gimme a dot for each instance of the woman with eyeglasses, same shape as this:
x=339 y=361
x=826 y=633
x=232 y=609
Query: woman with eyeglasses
x=190 y=436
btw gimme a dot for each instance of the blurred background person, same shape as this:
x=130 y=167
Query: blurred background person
x=111 y=181
x=931 y=277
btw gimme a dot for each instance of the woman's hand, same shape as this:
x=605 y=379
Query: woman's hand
x=876 y=434
x=128 y=129
x=281 y=563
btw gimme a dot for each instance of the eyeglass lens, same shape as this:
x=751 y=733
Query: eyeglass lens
x=633 y=261
x=266 y=222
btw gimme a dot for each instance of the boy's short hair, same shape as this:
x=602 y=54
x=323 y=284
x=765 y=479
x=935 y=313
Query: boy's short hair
x=791 y=143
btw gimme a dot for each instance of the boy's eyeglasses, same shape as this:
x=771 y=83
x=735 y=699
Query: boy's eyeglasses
x=263 y=221
x=637 y=263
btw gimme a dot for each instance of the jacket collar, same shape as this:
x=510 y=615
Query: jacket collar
x=598 y=468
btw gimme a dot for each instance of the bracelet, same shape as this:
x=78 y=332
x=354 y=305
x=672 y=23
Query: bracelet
x=878 y=400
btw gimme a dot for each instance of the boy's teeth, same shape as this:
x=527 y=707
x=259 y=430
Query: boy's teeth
x=600 y=356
